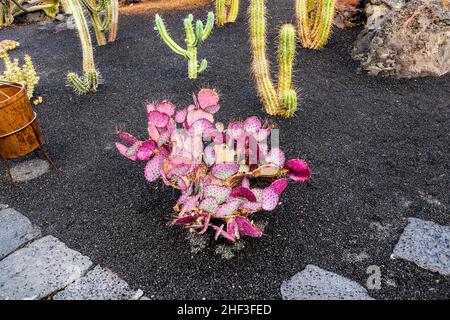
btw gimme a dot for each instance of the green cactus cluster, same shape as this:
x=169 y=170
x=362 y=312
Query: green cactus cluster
x=280 y=101
x=226 y=11
x=104 y=15
x=314 y=19
x=89 y=81
x=193 y=39
x=25 y=74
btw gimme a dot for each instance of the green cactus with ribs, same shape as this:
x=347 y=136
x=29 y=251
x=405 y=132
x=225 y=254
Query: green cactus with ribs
x=104 y=15
x=226 y=11
x=89 y=81
x=314 y=19
x=280 y=100
x=194 y=37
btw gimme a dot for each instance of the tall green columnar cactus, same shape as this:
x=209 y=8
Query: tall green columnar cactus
x=89 y=81
x=193 y=40
x=104 y=15
x=226 y=11
x=281 y=101
x=314 y=19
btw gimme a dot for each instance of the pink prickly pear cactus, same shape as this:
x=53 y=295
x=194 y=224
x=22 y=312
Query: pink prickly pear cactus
x=213 y=166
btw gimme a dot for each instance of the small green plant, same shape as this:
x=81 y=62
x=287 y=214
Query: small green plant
x=25 y=74
x=226 y=11
x=89 y=81
x=314 y=19
x=280 y=101
x=9 y=9
x=193 y=40
x=104 y=15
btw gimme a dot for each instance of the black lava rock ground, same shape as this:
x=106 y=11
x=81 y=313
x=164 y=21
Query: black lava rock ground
x=378 y=149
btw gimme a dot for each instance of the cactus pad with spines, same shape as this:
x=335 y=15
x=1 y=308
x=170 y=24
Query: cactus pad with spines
x=215 y=195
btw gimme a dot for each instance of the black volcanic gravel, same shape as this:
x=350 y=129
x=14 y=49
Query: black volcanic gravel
x=378 y=147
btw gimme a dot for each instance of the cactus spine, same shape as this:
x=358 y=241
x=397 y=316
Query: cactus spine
x=226 y=11
x=193 y=40
x=314 y=19
x=89 y=81
x=108 y=24
x=283 y=100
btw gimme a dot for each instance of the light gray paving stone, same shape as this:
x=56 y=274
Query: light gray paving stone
x=29 y=170
x=99 y=284
x=314 y=283
x=39 y=269
x=15 y=231
x=425 y=243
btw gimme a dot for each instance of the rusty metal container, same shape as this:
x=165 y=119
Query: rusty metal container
x=19 y=129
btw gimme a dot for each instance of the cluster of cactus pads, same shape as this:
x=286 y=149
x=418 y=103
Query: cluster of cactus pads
x=214 y=167
x=280 y=101
x=14 y=72
x=193 y=39
x=314 y=19
x=226 y=11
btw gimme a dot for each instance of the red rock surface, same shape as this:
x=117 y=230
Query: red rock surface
x=343 y=4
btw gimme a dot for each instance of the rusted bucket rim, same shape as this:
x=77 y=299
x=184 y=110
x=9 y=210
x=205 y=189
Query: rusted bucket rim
x=10 y=99
x=20 y=129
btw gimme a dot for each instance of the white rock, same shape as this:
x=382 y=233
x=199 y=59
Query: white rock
x=99 y=284
x=29 y=170
x=15 y=231
x=314 y=283
x=39 y=269
x=425 y=243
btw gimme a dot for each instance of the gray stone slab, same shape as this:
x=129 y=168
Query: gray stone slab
x=39 y=269
x=98 y=284
x=425 y=243
x=314 y=283
x=29 y=170
x=15 y=231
